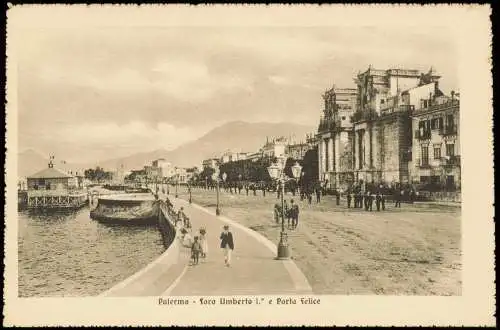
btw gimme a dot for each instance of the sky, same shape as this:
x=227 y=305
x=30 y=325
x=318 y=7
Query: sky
x=104 y=92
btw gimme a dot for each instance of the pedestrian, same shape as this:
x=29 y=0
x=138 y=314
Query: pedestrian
x=239 y=189
x=295 y=214
x=289 y=213
x=187 y=239
x=277 y=212
x=203 y=242
x=196 y=250
x=349 y=197
x=318 y=195
x=338 y=197
x=180 y=214
x=286 y=210
x=227 y=243
x=366 y=197
x=254 y=188
x=382 y=201
x=264 y=190
x=246 y=188
x=399 y=196
x=187 y=223
x=309 y=197
x=378 y=199
x=370 y=201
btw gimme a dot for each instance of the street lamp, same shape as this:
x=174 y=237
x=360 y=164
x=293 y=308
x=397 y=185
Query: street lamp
x=215 y=177
x=176 y=185
x=276 y=173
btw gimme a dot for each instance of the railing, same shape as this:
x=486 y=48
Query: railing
x=364 y=115
x=424 y=163
x=441 y=106
x=425 y=135
x=448 y=130
x=450 y=161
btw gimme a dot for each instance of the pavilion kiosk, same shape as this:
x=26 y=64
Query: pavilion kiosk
x=53 y=188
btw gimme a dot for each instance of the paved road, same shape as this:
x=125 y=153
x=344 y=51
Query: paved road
x=254 y=269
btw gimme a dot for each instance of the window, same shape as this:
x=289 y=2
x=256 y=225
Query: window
x=450 y=149
x=425 y=155
x=437 y=152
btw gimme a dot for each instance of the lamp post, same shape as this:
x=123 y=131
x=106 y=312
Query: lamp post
x=276 y=172
x=215 y=177
x=189 y=190
x=176 y=185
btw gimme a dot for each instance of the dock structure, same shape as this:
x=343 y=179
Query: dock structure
x=52 y=188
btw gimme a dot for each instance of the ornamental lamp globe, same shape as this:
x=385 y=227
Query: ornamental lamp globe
x=274 y=171
x=296 y=170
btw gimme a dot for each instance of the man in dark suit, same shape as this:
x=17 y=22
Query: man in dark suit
x=227 y=244
x=349 y=197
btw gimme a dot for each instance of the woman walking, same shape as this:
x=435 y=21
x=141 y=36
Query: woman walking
x=203 y=242
x=226 y=243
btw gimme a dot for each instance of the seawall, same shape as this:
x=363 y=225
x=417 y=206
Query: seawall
x=158 y=275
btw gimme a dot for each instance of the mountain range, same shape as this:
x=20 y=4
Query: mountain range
x=236 y=136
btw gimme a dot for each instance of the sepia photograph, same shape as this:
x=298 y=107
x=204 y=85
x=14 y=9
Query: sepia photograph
x=245 y=164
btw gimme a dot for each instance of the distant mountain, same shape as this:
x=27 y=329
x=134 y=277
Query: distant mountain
x=237 y=136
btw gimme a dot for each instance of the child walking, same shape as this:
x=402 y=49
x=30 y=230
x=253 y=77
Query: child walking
x=195 y=250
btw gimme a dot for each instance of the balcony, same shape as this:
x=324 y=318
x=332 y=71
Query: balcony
x=364 y=116
x=423 y=163
x=448 y=130
x=450 y=161
x=422 y=135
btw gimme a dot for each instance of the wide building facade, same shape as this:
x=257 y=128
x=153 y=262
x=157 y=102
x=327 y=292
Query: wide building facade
x=382 y=124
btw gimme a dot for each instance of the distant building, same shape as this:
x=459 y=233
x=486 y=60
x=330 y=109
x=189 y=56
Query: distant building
x=181 y=175
x=231 y=156
x=436 y=144
x=298 y=150
x=275 y=148
x=254 y=156
x=210 y=163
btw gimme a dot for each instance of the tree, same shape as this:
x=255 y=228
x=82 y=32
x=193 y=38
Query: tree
x=310 y=168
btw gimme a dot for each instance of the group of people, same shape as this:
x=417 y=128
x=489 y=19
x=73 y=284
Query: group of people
x=366 y=200
x=289 y=211
x=198 y=244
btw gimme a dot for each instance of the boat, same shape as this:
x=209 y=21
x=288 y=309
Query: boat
x=139 y=209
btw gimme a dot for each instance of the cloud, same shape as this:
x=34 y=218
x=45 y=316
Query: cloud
x=130 y=88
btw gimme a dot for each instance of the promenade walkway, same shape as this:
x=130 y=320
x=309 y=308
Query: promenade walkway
x=253 y=270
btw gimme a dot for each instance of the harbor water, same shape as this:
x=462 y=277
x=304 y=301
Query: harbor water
x=69 y=254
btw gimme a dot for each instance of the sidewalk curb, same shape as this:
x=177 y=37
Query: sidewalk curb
x=300 y=281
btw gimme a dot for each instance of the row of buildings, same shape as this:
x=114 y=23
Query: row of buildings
x=278 y=147
x=397 y=126
x=161 y=170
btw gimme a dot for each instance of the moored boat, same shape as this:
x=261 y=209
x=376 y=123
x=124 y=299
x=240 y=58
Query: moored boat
x=138 y=209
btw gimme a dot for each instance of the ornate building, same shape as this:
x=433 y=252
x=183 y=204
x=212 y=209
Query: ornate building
x=334 y=137
x=436 y=144
x=382 y=124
